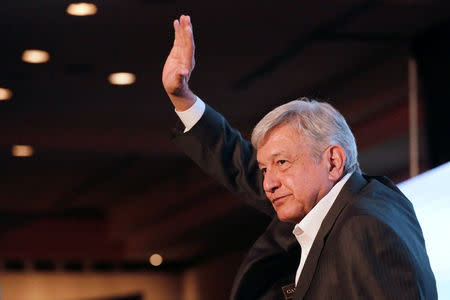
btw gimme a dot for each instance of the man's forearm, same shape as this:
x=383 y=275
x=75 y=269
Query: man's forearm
x=223 y=154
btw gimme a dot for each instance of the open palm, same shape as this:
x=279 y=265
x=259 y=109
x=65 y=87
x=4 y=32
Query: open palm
x=181 y=61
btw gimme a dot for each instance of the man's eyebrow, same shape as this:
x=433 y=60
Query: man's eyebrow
x=276 y=154
x=272 y=156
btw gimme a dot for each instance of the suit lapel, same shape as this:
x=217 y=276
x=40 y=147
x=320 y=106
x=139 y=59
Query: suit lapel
x=352 y=186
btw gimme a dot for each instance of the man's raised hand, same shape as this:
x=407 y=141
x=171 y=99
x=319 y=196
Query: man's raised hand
x=179 y=65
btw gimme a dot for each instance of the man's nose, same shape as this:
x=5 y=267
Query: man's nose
x=271 y=182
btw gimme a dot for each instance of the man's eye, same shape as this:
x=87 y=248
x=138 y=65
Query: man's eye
x=281 y=162
x=263 y=171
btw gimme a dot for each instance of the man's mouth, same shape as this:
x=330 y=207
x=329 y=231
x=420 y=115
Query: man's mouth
x=277 y=199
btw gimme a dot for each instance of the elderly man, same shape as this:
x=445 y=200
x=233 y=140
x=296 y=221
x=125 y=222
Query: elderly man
x=336 y=234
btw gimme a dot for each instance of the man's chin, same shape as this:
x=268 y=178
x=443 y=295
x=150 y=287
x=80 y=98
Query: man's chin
x=288 y=219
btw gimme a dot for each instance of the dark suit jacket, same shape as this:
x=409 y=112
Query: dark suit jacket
x=369 y=246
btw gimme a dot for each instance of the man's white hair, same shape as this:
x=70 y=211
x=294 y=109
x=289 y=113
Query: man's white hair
x=322 y=124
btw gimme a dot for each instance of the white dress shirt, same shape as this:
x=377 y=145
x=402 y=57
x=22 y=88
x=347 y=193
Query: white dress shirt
x=191 y=116
x=307 y=229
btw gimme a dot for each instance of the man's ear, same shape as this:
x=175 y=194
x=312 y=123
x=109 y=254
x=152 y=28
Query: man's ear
x=336 y=157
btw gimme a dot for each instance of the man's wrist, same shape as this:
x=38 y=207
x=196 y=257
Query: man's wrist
x=183 y=101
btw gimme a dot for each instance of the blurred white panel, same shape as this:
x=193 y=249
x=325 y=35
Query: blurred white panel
x=430 y=195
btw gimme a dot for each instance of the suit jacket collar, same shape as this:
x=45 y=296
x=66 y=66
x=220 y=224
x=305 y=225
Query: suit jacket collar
x=355 y=183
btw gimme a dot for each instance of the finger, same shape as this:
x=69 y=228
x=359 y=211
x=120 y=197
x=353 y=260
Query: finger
x=176 y=24
x=185 y=21
x=177 y=29
x=183 y=71
x=180 y=31
x=188 y=36
x=189 y=27
x=191 y=36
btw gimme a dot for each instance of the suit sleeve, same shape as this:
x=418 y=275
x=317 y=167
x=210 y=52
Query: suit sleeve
x=223 y=154
x=375 y=263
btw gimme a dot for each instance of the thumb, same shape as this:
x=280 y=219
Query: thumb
x=183 y=71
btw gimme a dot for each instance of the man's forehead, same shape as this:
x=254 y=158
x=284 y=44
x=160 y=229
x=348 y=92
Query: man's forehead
x=281 y=135
x=285 y=131
x=281 y=140
x=274 y=148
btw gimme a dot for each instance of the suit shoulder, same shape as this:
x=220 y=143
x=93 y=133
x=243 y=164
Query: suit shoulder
x=382 y=200
x=381 y=211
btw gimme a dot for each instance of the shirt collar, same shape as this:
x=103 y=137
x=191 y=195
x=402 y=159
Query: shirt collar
x=310 y=224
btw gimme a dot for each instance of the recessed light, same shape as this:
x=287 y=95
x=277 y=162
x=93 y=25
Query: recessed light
x=122 y=78
x=35 y=56
x=156 y=260
x=22 y=150
x=81 y=9
x=5 y=94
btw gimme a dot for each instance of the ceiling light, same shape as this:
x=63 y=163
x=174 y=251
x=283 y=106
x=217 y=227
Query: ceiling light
x=34 y=56
x=81 y=9
x=156 y=260
x=22 y=150
x=122 y=78
x=5 y=94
